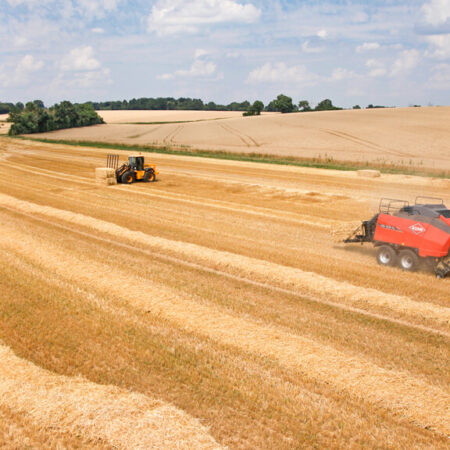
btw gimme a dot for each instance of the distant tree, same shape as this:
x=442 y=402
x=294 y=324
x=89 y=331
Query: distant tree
x=258 y=106
x=304 y=106
x=30 y=106
x=326 y=105
x=357 y=107
x=211 y=106
x=282 y=103
x=34 y=119
x=169 y=103
x=255 y=109
x=272 y=106
x=5 y=108
x=236 y=106
x=39 y=103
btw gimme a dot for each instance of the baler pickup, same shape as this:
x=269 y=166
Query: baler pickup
x=363 y=233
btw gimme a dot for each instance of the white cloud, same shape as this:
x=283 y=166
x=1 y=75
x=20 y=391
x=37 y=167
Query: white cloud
x=20 y=74
x=441 y=77
x=232 y=55
x=81 y=68
x=80 y=59
x=82 y=79
x=441 y=44
x=377 y=68
x=20 y=41
x=165 y=76
x=342 y=74
x=28 y=64
x=360 y=17
x=436 y=12
x=200 y=52
x=179 y=16
x=280 y=72
x=199 y=68
x=307 y=49
x=322 y=34
x=98 y=30
x=96 y=8
x=367 y=46
x=407 y=60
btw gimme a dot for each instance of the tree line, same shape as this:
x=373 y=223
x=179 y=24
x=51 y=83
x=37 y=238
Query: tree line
x=35 y=118
x=169 y=103
x=282 y=103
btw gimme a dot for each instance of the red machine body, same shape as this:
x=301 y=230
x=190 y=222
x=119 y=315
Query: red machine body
x=429 y=237
x=407 y=234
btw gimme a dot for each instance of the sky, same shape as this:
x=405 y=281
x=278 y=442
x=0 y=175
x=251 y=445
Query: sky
x=383 y=52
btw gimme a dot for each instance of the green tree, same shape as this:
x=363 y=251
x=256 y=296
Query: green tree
x=357 y=107
x=282 y=103
x=39 y=103
x=257 y=107
x=35 y=119
x=304 y=105
x=326 y=105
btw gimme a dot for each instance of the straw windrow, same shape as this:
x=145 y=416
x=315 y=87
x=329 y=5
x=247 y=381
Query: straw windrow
x=394 y=390
x=107 y=414
x=293 y=278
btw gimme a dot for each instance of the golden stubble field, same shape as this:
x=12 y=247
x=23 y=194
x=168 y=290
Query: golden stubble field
x=210 y=309
x=411 y=137
x=4 y=126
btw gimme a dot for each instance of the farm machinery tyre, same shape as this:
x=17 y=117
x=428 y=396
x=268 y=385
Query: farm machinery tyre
x=408 y=260
x=127 y=177
x=149 y=176
x=386 y=256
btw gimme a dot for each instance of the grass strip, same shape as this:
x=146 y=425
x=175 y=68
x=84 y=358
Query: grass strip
x=317 y=163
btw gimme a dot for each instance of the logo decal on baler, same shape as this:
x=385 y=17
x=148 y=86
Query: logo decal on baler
x=417 y=228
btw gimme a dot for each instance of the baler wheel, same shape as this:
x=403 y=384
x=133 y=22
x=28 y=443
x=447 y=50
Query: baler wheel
x=386 y=256
x=408 y=260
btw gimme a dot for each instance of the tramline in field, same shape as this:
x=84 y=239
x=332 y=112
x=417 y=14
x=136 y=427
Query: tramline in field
x=409 y=234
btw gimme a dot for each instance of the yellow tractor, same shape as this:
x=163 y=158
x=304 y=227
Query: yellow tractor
x=135 y=170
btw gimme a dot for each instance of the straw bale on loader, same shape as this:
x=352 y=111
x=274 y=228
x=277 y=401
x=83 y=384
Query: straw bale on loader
x=105 y=176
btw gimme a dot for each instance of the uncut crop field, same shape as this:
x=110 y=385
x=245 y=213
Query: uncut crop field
x=411 y=137
x=212 y=308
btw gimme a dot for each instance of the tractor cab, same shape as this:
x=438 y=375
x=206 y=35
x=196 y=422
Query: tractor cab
x=136 y=162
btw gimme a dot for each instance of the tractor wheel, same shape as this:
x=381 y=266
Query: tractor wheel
x=127 y=177
x=386 y=256
x=149 y=176
x=408 y=260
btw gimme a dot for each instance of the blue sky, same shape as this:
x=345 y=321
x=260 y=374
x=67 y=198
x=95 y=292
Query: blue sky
x=353 y=52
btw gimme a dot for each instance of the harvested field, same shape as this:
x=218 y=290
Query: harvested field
x=118 y=418
x=216 y=297
x=4 y=126
x=409 y=137
x=165 y=116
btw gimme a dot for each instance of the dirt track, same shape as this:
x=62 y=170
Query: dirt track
x=219 y=290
